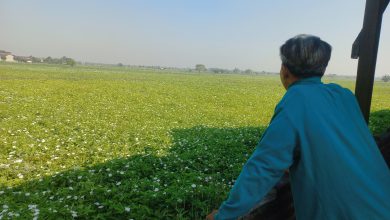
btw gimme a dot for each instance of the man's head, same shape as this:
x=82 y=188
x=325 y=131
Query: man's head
x=303 y=56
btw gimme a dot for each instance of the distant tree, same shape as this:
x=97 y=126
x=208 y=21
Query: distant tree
x=48 y=60
x=386 y=78
x=248 y=71
x=119 y=64
x=63 y=60
x=70 y=62
x=200 y=68
x=36 y=59
x=236 y=70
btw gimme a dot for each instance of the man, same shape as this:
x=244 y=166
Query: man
x=319 y=134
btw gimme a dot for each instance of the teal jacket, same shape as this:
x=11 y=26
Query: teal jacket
x=336 y=169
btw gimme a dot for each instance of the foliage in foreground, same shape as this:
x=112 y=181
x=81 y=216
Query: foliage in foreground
x=187 y=182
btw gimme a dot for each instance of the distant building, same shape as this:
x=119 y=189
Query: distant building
x=6 y=56
x=9 y=58
x=24 y=59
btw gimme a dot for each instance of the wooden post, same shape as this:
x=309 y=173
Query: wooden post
x=366 y=48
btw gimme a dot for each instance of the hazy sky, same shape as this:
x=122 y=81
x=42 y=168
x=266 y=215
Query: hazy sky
x=182 y=33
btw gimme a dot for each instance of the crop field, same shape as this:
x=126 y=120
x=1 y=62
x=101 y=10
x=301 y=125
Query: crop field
x=119 y=143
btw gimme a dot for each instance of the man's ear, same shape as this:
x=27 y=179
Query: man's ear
x=285 y=72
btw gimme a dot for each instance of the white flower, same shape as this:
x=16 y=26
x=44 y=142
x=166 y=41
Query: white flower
x=18 y=161
x=193 y=185
x=20 y=176
x=118 y=183
x=156 y=189
x=100 y=207
x=32 y=206
x=5 y=206
x=127 y=209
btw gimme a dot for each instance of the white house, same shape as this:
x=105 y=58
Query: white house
x=6 y=56
x=9 y=58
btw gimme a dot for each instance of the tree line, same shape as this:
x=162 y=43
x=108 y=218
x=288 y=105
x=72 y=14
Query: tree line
x=63 y=60
x=50 y=60
x=202 y=68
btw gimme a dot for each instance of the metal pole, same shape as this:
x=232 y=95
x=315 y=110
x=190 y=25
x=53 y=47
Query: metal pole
x=368 y=41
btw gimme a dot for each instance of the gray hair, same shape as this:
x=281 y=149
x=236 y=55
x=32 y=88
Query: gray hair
x=305 y=55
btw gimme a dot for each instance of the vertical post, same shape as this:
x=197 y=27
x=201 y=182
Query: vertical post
x=368 y=49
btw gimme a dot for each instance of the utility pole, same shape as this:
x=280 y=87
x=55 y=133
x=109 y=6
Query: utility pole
x=365 y=48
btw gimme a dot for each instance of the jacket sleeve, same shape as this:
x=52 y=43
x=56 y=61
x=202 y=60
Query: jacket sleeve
x=265 y=167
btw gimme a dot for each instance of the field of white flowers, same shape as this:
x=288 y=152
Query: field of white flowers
x=117 y=143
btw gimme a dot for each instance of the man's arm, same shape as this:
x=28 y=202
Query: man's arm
x=263 y=170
